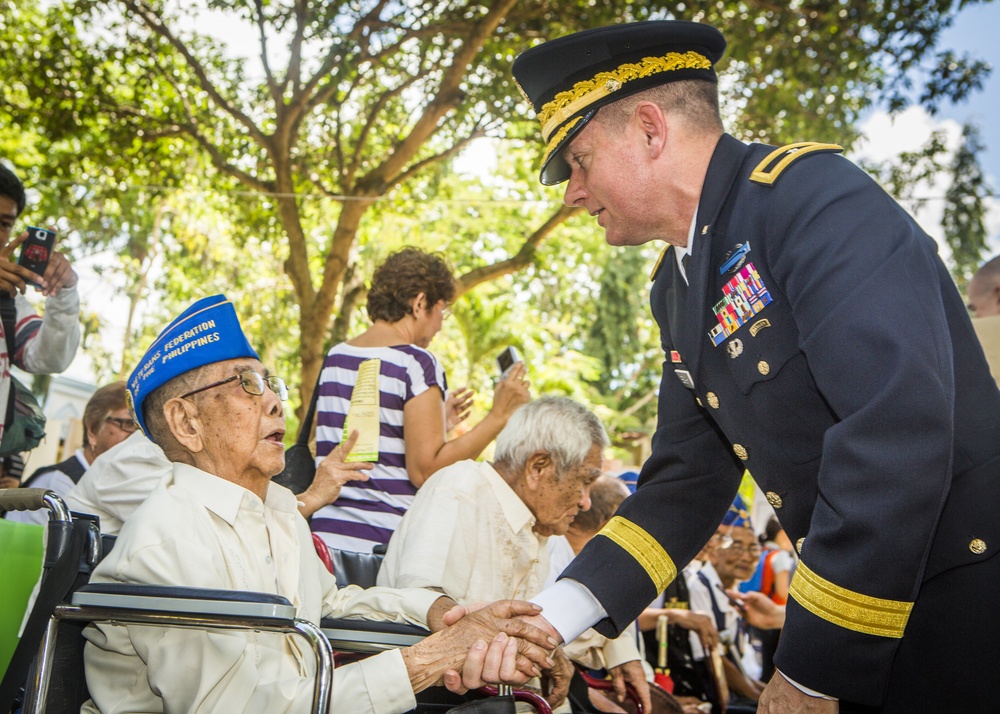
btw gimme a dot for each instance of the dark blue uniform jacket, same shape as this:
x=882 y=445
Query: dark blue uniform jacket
x=852 y=387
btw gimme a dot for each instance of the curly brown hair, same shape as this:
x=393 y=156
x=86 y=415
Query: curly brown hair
x=404 y=275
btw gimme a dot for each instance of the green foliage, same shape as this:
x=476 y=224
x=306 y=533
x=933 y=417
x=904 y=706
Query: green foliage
x=964 y=213
x=910 y=177
x=282 y=166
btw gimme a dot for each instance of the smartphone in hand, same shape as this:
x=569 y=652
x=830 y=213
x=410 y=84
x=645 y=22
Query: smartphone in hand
x=37 y=249
x=738 y=604
x=507 y=359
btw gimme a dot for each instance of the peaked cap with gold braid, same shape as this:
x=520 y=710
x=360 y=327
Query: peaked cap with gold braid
x=568 y=79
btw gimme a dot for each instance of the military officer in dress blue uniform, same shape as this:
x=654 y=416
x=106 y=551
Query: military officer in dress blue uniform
x=813 y=336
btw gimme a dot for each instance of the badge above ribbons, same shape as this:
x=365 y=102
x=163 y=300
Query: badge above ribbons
x=743 y=297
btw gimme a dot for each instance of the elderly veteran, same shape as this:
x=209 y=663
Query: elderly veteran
x=812 y=335
x=478 y=531
x=216 y=521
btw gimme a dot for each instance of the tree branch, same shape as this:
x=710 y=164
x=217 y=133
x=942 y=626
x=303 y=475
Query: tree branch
x=448 y=96
x=272 y=84
x=453 y=150
x=523 y=258
x=155 y=23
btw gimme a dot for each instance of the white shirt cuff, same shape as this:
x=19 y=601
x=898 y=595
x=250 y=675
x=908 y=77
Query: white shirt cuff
x=807 y=690
x=570 y=608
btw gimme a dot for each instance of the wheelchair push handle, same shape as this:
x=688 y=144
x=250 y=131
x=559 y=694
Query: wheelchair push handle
x=32 y=499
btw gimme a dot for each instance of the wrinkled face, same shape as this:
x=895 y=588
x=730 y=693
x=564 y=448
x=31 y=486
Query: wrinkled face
x=739 y=560
x=609 y=179
x=242 y=433
x=556 y=503
x=8 y=217
x=720 y=537
x=109 y=432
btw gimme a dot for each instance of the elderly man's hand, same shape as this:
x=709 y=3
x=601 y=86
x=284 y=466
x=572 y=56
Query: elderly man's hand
x=428 y=661
x=556 y=679
x=698 y=622
x=631 y=673
x=331 y=475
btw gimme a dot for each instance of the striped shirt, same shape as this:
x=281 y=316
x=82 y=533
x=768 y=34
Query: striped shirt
x=367 y=512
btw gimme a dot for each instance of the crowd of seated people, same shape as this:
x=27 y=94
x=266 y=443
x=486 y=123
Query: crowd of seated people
x=216 y=521
x=188 y=493
x=706 y=613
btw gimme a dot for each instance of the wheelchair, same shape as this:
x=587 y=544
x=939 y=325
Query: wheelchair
x=45 y=671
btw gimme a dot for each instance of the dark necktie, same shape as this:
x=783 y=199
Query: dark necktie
x=676 y=297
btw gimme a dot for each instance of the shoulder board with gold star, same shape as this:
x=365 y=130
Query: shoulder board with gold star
x=768 y=170
x=659 y=262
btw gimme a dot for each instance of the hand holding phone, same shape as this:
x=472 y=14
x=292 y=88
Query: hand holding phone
x=37 y=250
x=738 y=604
x=507 y=359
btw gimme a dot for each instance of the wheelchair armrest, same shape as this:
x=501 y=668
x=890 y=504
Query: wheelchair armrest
x=172 y=599
x=199 y=608
x=370 y=636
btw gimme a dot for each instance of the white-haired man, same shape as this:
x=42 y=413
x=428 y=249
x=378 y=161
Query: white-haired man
x=477 y=531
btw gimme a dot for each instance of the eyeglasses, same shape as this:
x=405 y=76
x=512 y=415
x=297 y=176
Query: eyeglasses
x=740 y=549
x=446 y=312
x=720 y=540
x=126 y=425
x=252 y=383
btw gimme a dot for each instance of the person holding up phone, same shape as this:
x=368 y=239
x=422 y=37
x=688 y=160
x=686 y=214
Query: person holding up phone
x=404 y=432
x=41 y=345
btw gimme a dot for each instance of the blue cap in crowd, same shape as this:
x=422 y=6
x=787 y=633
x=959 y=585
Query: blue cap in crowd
x=205 y=333
x=737 y=515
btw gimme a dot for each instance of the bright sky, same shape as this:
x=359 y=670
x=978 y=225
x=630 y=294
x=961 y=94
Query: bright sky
x=974 y=32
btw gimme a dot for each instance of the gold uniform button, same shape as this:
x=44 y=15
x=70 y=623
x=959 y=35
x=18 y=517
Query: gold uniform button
x=798 y=545
x=763 y=367
x=774 y=499
x=977 y=546
x=741 y=451
x=713 y=401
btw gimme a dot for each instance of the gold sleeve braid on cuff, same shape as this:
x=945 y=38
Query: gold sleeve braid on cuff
x=644 y=548
x=848 y=609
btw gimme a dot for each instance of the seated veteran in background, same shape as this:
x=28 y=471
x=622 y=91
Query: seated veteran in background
x=216 y=521
x=106 y=423
x=731 y=562
x=119 y=480
x=606 y=494
x=692 y=684
x=477 y=531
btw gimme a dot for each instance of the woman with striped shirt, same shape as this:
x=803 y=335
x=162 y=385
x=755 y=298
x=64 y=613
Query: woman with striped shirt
x=407 y=302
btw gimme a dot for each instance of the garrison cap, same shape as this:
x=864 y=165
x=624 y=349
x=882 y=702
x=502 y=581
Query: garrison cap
x=737 y=515
x=205 y=333
x=568 y=79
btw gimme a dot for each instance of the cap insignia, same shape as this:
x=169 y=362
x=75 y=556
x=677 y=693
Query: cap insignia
x=586 y=92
